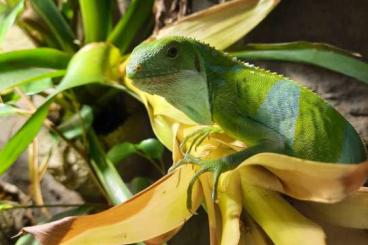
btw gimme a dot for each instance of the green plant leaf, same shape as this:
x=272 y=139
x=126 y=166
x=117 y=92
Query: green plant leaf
x=139 y=183
x=121 y=151
x=97 y=17
x=128 y=26
x=19 y=142
x=37 y=31
x=27 y=240
x=93 y=63
x=106 y=172
x=4 y=205
x=8 y=14
x=151 y=148
x=96 y=62
x=37 y=86
x=56 y=22
x=8 y=110
x=38 y=57
x=16 y=77
x=20 y=67
x=9 y=97
x=318 y=54
x=73 y=127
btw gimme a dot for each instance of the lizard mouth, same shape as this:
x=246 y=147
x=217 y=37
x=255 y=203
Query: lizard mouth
x=156 y=74
x=153 y=82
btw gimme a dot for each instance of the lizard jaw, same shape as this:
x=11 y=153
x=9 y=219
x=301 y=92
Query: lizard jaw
x=153 y=83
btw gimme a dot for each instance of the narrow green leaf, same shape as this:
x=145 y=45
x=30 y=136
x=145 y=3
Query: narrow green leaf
x=93 y=63
x=56 y=22
x=152 y=148
x=8 y=14
x=38 y=32
x=8 y=110
x=128 y=26
x=9 y=97
x=139 y=183
x=27 y=240
x=121 y=151
x=19 y=142
x=20 y=67
x=97 y=19
x=74 y=127
x=38 y=57
x=106 y=172
x=37 y=86
x=4 y=205
x=318 y=54
x=16 y=77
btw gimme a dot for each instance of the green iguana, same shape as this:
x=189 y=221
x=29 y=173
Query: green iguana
x=268 y=112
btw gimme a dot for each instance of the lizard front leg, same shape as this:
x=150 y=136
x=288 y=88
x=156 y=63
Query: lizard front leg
x=226 y=163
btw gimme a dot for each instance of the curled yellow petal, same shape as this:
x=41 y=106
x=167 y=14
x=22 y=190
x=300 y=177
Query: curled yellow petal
x=352 y=212
x=157 y=210
x=306 y=180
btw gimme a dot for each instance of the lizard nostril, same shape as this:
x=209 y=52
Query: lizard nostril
x=138 y=68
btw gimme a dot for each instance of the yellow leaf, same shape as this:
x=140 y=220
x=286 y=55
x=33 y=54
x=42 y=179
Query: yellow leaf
x=252 y=233
x=230 y=204
x=337 y=235
x=352 y=212
x=223 y=24
x=153 y=212
x=214 y=218
x=163 y=116
x=303 y=179
x=282 y=223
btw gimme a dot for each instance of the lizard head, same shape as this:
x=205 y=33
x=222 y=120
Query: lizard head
x=163 y=57
x=172 y=68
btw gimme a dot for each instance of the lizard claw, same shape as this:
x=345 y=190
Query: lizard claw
x=188 y=159
x=214 y=166
x=217 y=167
x=197 y=138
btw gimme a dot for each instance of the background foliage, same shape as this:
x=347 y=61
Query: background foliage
x=70 y=85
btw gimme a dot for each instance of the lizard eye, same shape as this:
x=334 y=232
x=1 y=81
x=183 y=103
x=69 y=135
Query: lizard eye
x=172 y=52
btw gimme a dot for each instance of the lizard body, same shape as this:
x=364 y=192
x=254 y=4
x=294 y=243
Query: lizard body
x=247 y=102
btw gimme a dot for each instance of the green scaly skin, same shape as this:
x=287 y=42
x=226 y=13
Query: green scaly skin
x=268 y=112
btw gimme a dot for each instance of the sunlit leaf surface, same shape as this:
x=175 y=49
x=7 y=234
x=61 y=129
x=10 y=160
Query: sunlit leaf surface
x=94 y=63
x=12 y=78
x=19 y=142
x=8 y=14
x=162 y=205
x=59 y=27
x=132 y=22
x=223 y=24
x=318 y=54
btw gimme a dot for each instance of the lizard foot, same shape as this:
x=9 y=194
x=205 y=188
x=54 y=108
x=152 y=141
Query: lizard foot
x=217 y=167
x=225 y=163
x=197 y=138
